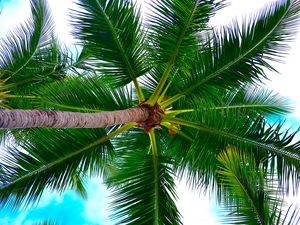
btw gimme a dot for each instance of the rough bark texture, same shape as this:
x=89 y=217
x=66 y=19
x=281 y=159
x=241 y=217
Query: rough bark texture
x=62 y=119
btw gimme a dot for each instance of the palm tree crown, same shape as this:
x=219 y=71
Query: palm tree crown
x=191 y=95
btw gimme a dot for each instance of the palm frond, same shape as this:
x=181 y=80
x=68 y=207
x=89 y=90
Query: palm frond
x=26 y=42
x=244 y=103
x=239 y=54
x=56 y=163
x=256 y=99
x=48 y=222
x=174 y=28
x=30 y=56
x=49 y=68
x=112 y=30
x=130 y=140
x=135 y=200
x=247 y=194
x=273 y=138
x=217 y=131
x=290 y=217
x=85 y=94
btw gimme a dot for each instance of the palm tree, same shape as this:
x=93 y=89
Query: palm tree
x=159 y=97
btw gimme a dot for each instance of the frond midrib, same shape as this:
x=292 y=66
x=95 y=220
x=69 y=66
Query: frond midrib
x=184 y=30
x=236 y=106
x=155 y=165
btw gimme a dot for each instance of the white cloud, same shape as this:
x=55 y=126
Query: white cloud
x=61 y=14
x=96 y=206
x=195 y=207
x=7 y=220
x=50 y=197
x=18 y=220
x=14 y=13
x=238 y=9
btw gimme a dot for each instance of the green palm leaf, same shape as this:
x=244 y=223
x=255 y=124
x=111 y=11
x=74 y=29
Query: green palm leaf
x=112 y=31
x=46 y=67
x=174 y=27
x=256 y=133
x=143 y=190
x=244 y=103
x=258 y=100
x=245 y=188
x=30 y=56
x=249 y=195
x=27 y=42
x=220 y=130
x=238 y=54
x=174 y=35
x=48 y=222
x=56 y=163
x=85 y=94
x=129 y=141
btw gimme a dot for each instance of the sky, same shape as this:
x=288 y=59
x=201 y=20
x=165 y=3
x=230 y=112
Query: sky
x=69 y=208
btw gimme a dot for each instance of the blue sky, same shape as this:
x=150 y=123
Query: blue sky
x=69 y=208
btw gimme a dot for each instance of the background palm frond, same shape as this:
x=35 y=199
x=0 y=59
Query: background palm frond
x=250 y=195
x=29 y=56
x=48 y=222
x=260 y=101
x=244 y=103
x=27 y=43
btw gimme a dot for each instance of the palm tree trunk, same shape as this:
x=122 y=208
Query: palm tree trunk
x=61 y=119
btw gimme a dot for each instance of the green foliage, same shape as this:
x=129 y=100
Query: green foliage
x=174 y=28
x=135 y=198
x=117 y=44
x=238 y=54
x=55 y=163
x=208 y=114
x=221 y=129
x=29 y=57
x=30 y=52
x=249 y=193
x=85 y=94
x=261 y=101
x=48 y=222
